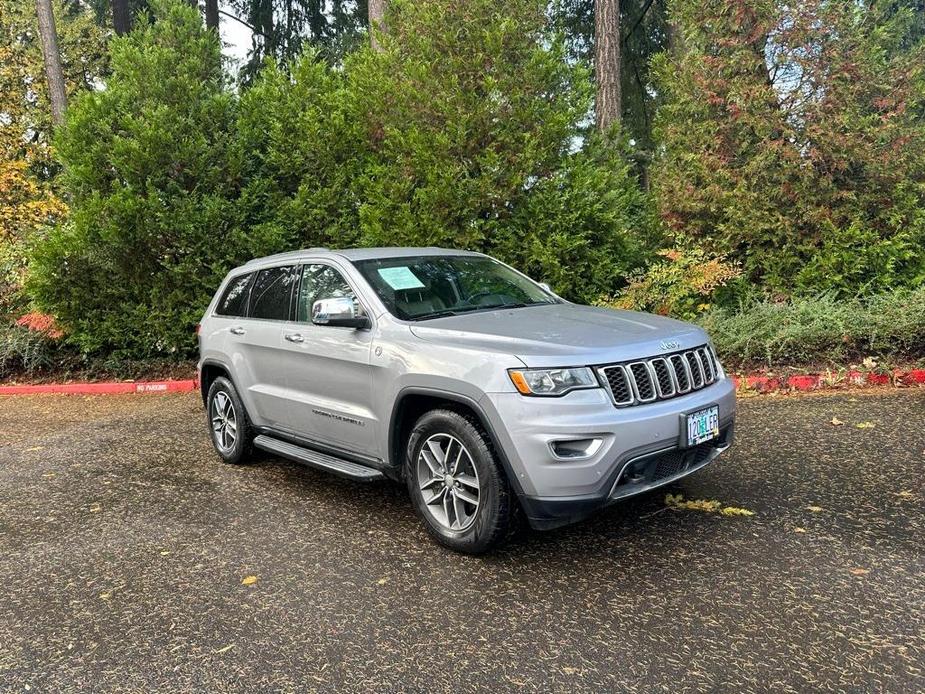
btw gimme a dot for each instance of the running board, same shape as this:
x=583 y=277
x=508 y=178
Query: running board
x=322 y=461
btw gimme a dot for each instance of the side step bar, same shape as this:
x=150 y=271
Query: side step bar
x=322 y=461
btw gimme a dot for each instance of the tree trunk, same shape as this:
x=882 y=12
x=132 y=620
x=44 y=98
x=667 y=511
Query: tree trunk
x=376 y=14
x=49 y=35
x=121 y=17
x=212 y=14
x=607 y=62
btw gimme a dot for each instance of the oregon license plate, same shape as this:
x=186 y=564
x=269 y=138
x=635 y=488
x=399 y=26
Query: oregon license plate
x=702 y=425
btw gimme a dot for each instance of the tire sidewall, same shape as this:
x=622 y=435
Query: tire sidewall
x=240 y=451
x=483 y=533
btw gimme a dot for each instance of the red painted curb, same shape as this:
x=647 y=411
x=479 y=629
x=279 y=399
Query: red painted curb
x=183 y=386
x=831 y=380
x=757 y=382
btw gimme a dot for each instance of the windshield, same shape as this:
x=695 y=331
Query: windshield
x=422 y=287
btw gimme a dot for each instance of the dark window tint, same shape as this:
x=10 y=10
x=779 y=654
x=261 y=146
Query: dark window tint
x=272 y=293
x=320 y=282
x=234 y=300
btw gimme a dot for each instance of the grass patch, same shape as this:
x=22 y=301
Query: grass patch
x=820 y=331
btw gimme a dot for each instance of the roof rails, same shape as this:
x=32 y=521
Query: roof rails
x=286 y=254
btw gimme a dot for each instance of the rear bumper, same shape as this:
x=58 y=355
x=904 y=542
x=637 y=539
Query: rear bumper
x=636 y=473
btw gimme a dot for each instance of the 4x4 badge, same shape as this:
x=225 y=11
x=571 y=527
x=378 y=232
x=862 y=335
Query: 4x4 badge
x=670 y=344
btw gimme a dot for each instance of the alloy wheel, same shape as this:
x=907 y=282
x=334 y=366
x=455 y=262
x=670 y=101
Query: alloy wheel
x=224 y=422
x=449 y=482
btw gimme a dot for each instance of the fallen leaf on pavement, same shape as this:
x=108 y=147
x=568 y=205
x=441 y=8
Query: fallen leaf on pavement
x=836 y=422
x=225 y=649
x=905 y=494
x=248 y=581
x=382 y=581
x=865 y=425
x=815 y=509
x=96 y=508
x=679 y=503
x=34 y=448
x=799 y=530
x=860 y=572
x=105 y=596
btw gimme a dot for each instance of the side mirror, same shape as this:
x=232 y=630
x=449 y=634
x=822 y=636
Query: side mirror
x=340 y=312
x=546 y=286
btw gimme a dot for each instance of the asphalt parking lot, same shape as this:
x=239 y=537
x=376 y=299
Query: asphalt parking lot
x=126 y=547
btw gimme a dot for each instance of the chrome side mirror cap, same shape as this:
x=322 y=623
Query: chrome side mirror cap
x=338 y=312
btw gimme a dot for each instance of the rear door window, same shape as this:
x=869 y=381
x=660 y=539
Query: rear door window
x=234 y=300
x=271 y=295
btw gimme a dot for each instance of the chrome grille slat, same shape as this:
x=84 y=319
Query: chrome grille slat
x=696 y=372
x=618 y=384
x=643 y=385
x=660 y=378
x=664 y=378
x=682 y=373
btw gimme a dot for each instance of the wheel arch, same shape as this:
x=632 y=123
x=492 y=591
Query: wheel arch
x=208 y=372
x=413 y=401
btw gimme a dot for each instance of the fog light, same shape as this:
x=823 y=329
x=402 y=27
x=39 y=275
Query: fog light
x=573 y=449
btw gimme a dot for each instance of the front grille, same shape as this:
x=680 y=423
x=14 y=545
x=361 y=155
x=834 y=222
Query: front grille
x=660 y=378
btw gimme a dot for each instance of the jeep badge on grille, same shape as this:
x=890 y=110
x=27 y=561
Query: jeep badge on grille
x=668 y=345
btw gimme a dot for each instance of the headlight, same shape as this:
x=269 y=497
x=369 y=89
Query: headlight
x=552 y=381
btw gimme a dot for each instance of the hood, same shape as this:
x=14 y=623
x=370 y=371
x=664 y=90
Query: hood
x=563 y=334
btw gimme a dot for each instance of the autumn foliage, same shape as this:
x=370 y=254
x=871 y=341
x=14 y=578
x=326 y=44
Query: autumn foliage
x=792 y=138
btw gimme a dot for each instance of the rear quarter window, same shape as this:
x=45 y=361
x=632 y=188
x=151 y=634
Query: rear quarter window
x=234 y=300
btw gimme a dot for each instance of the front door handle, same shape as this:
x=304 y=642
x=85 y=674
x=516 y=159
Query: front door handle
x=237 y=330
x=295 y=337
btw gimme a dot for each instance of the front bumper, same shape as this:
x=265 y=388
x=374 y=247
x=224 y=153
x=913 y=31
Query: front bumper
x=640 y=447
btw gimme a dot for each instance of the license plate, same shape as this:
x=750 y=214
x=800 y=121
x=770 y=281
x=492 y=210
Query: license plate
x=702 y=425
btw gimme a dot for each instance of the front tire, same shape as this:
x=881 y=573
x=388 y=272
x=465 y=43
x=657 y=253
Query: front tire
x=229 y=425
x=456 y=484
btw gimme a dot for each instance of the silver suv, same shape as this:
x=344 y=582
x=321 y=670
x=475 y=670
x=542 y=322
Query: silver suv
x=490 y=396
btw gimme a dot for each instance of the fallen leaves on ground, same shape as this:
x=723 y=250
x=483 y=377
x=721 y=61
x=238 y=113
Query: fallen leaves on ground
x=799 y=530
x=249 y=580
x=224 y=650
x=905 y=494
x=679 y=503
x=836 y=422
x=865 y=425
x=860 y=572
x=382 y=581
x=815 y=509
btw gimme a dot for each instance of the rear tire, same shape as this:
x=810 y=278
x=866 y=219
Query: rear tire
x=229 y=426
x=456 y=484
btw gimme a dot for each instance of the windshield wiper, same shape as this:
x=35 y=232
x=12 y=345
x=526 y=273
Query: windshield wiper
x=435 y=314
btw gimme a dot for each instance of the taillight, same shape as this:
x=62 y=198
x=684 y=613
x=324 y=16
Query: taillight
x=198 y=328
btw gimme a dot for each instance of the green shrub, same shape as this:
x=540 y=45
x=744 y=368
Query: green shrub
x=820 y=330
x=461 y=132
x=151 y=179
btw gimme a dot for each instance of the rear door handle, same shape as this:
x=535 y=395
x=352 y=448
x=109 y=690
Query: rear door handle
x=237 y=330
x=295 y=337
